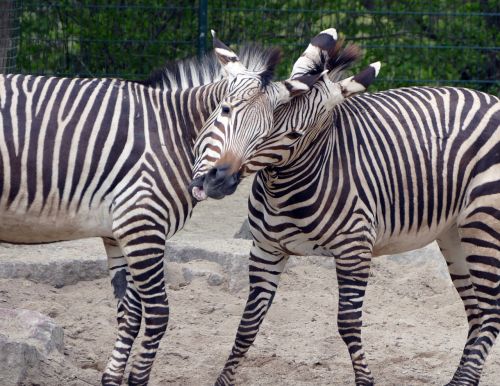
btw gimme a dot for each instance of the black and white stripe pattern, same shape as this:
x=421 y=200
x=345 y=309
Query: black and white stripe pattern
x=379 y=174
x=111 y=159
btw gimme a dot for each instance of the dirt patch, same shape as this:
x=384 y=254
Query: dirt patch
x=414 y=330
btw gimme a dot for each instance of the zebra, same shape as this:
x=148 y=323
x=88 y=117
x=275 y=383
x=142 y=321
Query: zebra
x=375 y=174
x=113 y=159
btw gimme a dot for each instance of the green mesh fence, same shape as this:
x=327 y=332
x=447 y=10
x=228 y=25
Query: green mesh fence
x=101 y=38
x=446 y=42
x=9 y=34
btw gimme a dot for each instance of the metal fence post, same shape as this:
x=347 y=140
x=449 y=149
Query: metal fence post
x=202 y=26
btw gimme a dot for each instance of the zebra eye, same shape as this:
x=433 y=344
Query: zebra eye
x=225 y=109
x=294 y=135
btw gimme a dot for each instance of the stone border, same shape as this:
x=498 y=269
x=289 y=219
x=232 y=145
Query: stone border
x=61 y=269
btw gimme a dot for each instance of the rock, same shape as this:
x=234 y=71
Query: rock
x=27 y=340
x=207 y=310
x=215 y=279
x=244 y=232
x=221 y=255
x=191 y=271
x=199 y=268
x=187 y=274
x=174 y=274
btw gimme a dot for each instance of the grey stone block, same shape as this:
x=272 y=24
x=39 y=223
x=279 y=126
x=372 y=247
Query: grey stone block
x=58 y=273
x=57 y=264
x=27 y=339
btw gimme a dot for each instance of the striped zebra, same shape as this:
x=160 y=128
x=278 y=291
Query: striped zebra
x=375 y=174
x=113 y=159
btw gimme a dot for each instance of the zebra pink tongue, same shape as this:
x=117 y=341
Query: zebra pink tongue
x=199 y=193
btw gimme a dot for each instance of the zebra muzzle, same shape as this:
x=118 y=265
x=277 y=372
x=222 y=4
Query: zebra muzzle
x=217 y=183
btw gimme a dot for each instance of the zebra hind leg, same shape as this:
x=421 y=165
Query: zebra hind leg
x=129 y=313
x=265 y=269
x=144 y=252
x=480 y=238
x=352 y=277
x=455 y=257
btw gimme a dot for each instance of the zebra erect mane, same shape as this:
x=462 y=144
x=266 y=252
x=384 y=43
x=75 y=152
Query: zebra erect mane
x=194 y=72
x=335 y=58
x=341 y=58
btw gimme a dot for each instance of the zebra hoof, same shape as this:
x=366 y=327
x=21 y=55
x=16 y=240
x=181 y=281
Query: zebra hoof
x=221 y=381
x=136 y=382
x=454 y=382
x=365 y=383
x=109 y=380
x=218 y=383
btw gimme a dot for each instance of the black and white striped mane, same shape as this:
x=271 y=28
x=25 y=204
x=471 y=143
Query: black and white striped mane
x=337 y=59
x=194 y=72
x=341 y=58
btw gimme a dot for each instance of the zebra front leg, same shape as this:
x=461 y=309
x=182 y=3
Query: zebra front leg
x=144 y=252
x=451 y=248
x=352 y=277
x=265 y=268
x=129 y=313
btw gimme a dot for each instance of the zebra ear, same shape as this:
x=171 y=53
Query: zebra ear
x=274 y=56
x=227 y=57
x=360 y=82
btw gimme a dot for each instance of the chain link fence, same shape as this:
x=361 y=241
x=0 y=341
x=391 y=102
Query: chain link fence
x=9 y=34
x=446 y=42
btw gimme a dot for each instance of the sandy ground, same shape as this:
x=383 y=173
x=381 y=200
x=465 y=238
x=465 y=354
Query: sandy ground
x=414 y=323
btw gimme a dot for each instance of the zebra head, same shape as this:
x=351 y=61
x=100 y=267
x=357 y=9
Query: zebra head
x=241 y=122
x=298 y=123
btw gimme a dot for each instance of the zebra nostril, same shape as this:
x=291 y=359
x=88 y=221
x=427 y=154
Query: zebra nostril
x=212 y=172
x=235 y=179
x=221 y=173
x=218 y=173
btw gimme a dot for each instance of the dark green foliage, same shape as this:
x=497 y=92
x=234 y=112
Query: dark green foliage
x=97 y=38
x=450 y=42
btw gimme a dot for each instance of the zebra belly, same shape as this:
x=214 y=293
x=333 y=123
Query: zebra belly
x=33 y=228
x=409 y=241
x=388 y=245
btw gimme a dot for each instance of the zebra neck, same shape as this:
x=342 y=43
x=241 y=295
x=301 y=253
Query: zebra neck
x=317 y=157
x=193 y=106
x=318 y=143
